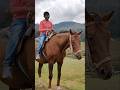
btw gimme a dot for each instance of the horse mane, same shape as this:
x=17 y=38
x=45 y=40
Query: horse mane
x=64 y=31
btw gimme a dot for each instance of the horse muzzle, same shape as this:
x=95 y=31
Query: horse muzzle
x=78 y=54
x=105 y=68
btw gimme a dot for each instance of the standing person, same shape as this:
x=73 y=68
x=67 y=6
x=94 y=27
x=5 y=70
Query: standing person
x=44 y=27
x=19 y=10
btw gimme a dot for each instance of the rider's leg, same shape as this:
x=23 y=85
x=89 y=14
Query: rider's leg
x=41 y=40
x=17 y=29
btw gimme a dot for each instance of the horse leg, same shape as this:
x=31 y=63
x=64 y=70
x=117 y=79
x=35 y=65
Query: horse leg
x=39 y=69
x=10 y=88
x=50 y=74
x=59 y=65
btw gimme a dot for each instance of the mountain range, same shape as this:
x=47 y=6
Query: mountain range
x=66 y=26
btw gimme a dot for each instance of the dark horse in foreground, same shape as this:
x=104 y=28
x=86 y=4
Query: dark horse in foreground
x=98 y=44
x=23 y=71
x=54 y=51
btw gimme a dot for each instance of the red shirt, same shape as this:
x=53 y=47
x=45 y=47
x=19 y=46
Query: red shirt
x=45 y=26
x=20 y=8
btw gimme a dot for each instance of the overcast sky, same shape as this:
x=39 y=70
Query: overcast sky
x=60 y=10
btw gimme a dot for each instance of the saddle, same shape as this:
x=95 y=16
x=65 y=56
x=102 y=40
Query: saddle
x=29 y=32
x=49 y=36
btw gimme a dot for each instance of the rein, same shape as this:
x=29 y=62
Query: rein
x=71 y=47
x=70 y=39
x=92 y=64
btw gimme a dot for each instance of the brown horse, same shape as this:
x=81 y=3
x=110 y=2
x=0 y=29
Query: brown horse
x=55 y=52
x=98 y=43
x=23 y=71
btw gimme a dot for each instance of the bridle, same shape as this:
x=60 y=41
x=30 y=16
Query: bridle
x=71 y=47
x=94 y=66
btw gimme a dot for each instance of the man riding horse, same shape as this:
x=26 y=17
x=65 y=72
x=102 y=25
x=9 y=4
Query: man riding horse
x=45 y=27
x=19 y=11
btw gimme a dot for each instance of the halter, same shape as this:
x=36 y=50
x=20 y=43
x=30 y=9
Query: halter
x=92 y=64
x=90 y=23
x=71 y=47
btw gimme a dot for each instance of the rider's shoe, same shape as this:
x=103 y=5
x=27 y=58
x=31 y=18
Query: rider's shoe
x=37 y=56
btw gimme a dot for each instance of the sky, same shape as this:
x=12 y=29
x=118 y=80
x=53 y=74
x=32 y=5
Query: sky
x=60 y=10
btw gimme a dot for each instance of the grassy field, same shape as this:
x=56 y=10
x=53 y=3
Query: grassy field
x=3 y=86
x=73 y=75
x=98 y=84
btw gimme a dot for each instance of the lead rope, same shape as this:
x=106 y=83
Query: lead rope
x=90 y=65
x=71 y=48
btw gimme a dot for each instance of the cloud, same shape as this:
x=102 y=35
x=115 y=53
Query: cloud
x=61 y=10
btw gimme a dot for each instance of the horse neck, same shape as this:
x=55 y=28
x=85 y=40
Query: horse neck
x=28 y=56
x=63 y=41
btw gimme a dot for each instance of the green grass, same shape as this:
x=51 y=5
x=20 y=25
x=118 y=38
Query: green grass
x=99 y=84
x=3 y=86
x=72 y=78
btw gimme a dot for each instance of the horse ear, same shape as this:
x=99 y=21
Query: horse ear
x=70 y=31
x=107 y=17
x=88 y=18
x=80 y=32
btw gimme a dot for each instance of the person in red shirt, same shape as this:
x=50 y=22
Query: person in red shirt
x=44 y=27
x=19 y=10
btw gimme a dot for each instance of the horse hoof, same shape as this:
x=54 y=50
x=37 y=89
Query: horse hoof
x=59 y=88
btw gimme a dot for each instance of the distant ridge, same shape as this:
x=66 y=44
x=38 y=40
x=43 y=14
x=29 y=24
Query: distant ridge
x=65 y=26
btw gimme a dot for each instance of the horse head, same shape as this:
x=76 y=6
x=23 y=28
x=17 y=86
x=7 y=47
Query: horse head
x=98 y=39
x=75 y=43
